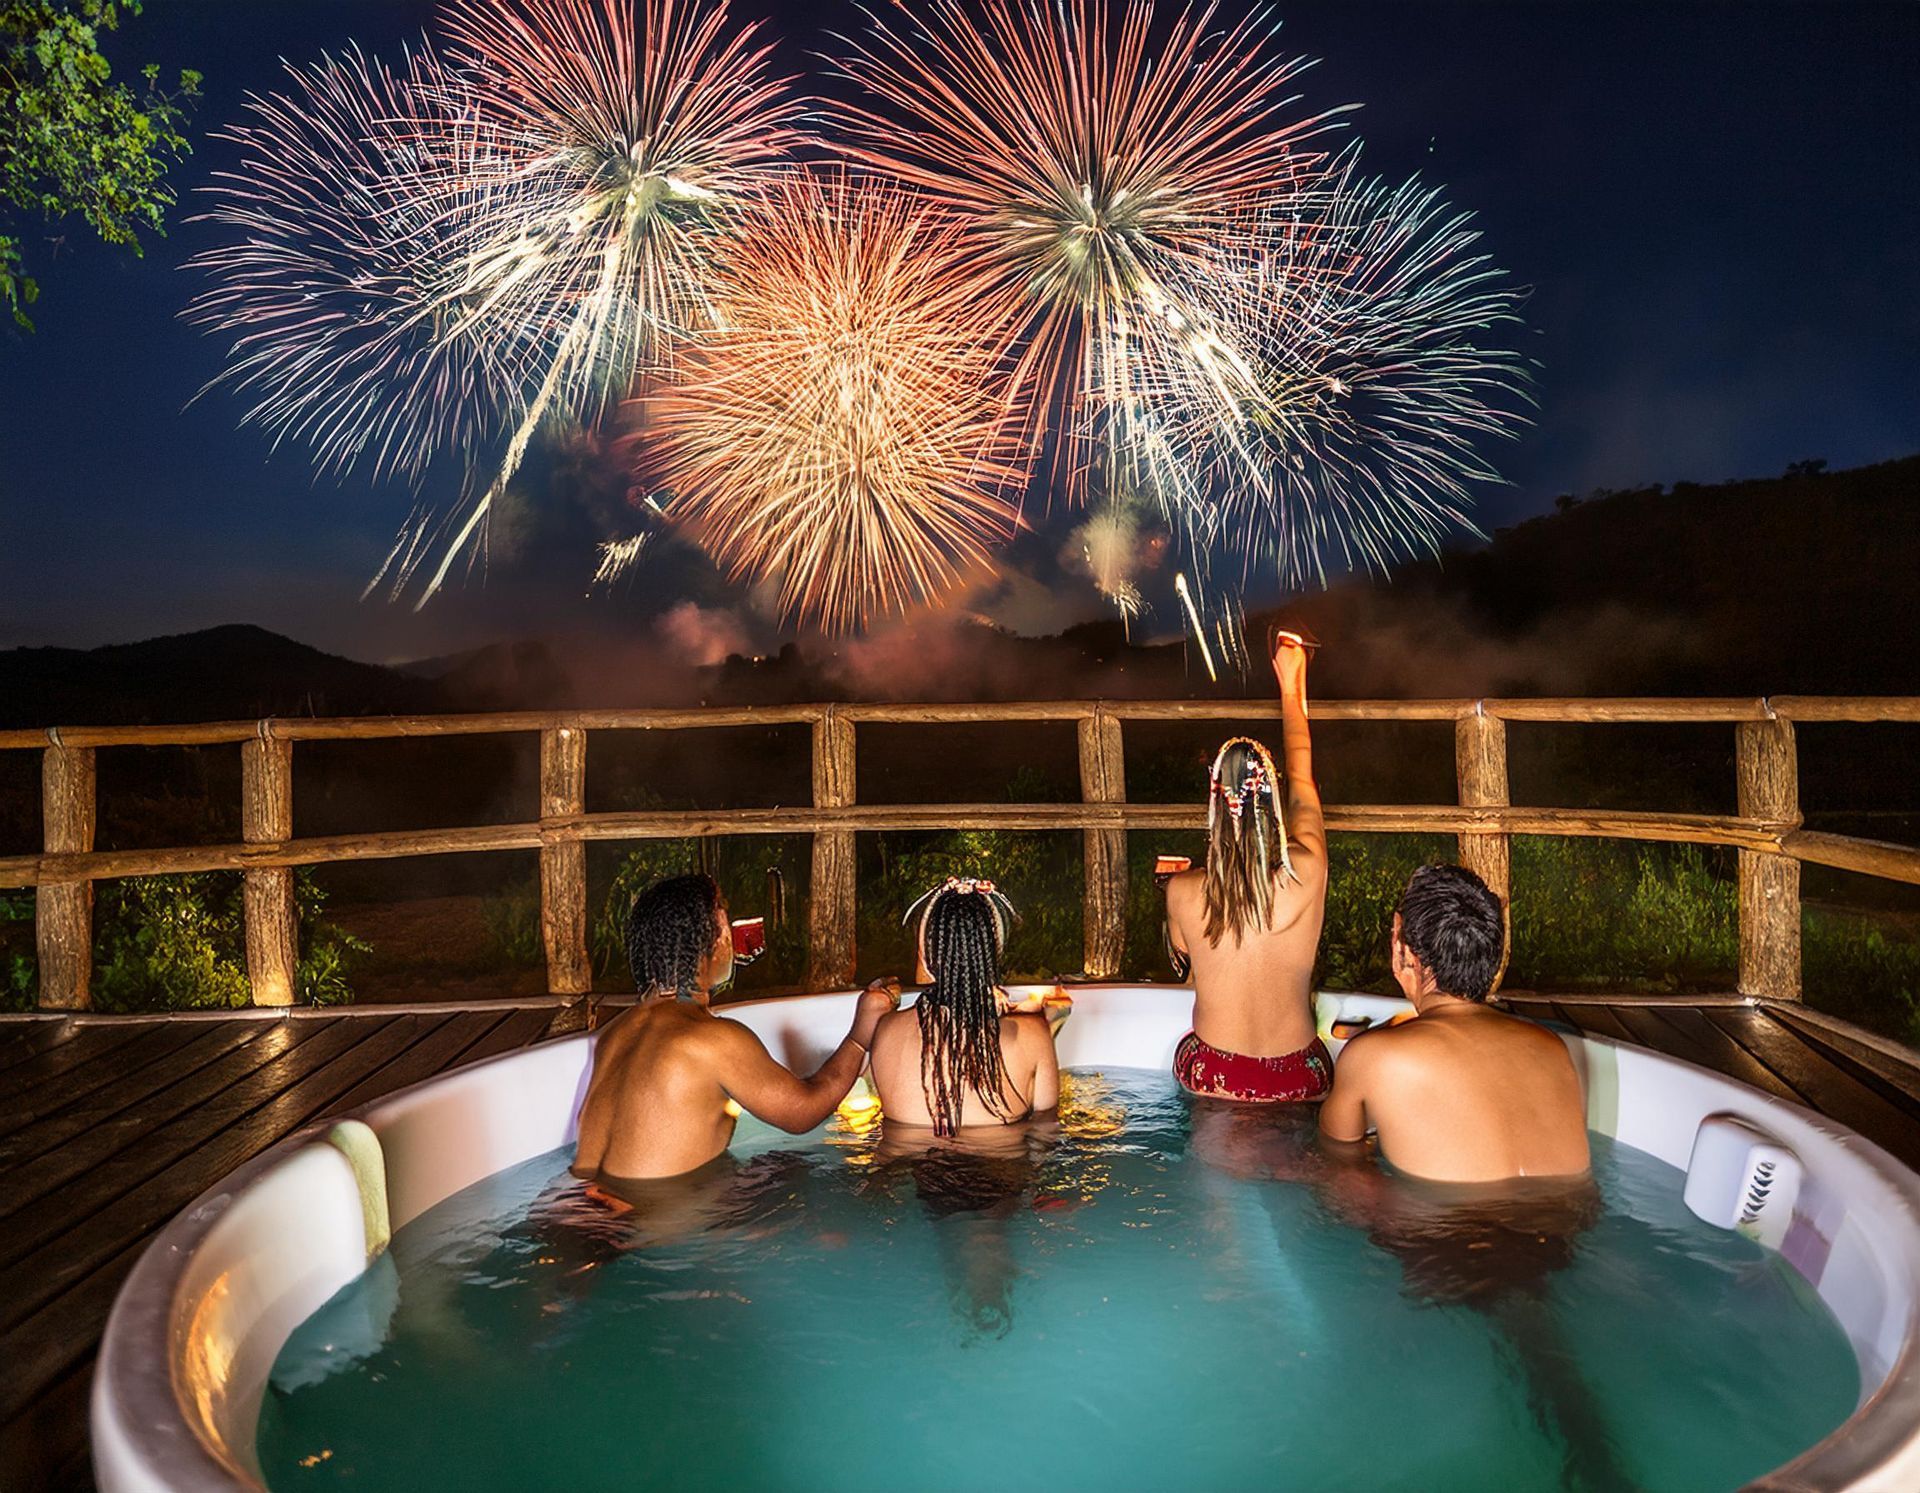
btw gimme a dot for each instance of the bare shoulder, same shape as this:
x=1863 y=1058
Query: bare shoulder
x=894 y=1025
x=1386 y=1050
x=1027 y=1028
x=1543 y=1040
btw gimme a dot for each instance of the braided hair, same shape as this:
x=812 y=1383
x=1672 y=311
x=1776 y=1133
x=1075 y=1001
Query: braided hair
x=1245 y=837
x=670 y=929
x=964 y=931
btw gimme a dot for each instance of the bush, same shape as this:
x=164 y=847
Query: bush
x=178 y=943
x=1851 y=969
x=1610 y=915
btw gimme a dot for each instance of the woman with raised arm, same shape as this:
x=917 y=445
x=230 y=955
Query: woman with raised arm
x=1249 y=920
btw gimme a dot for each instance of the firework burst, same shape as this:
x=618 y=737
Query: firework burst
x=336 y=290
x=841 y=438
x=571 y=168
x=1099 y=160
x=1373 y=338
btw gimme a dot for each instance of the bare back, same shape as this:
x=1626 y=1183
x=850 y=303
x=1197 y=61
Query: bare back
x=1471 y=1095
x=1026 y=1048
x=1254 y=996
x=655 y=1105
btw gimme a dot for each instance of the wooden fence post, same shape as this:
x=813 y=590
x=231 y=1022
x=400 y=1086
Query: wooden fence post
x=266 y=817
x=63 y=910
x=1103 y=780
x=833 y=889
x=563 y=863
x=1480 y=769
x=1767 y=770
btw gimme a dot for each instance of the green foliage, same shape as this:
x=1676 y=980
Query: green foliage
x=1851 y=969
x=19 y=969
x=1369 y=874
x=513 y=927
x=178 y=943
x=1607 y=915
x=73 y=142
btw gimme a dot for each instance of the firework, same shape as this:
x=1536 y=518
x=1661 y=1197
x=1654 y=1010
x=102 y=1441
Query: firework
x=335 y=292
x=572 y=167
x=841 y=439
x=1099 y=160
x=1181 y=590
x=1372 y=334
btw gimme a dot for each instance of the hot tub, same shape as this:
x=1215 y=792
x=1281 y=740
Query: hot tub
x=197 y=1327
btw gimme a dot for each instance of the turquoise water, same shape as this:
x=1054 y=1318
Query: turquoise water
x=1151 y=1295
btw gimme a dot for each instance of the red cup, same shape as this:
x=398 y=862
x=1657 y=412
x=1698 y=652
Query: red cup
x=749 y=939
x=1167 y=866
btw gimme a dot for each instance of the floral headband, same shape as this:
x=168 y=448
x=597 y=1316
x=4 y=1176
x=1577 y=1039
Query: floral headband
x=966 y=886
x=1259 y=780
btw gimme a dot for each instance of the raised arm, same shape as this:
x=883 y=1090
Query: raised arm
x=773 y=1093
x=1305 y=824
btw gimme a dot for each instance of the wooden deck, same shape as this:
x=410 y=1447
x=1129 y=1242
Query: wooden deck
x=109 y=1127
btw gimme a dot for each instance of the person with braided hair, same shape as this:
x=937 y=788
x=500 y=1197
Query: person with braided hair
x=959 y=1058
x=1249 y=920
x=669 y=1076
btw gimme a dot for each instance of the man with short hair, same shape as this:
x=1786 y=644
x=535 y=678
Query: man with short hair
x=669 y=1077
x=1464 y=1093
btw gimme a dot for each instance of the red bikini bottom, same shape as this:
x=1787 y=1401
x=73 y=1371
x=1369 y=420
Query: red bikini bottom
x=1290 y=1078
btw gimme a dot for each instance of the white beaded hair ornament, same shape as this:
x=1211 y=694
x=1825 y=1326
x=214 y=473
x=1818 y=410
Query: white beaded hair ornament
x=1258 y=780
x=967 y=886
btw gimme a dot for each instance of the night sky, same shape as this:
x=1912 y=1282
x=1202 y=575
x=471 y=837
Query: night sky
x=1715 y=207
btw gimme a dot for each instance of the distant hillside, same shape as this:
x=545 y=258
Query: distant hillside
x=1787 y=585
x=223 y=673
x=1801 y=585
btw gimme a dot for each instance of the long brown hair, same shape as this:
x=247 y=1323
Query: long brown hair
x=1246 y=836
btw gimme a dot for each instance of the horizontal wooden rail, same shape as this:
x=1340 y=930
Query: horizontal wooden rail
x=1766 y=831
x=1847 y=853
x=1437 y=819
x=1862 y=709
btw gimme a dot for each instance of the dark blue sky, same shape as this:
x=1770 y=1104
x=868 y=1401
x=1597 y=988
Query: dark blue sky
x=1715 y=206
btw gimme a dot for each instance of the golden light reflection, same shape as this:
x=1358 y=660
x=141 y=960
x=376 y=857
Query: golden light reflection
x=1086 y=1110
x=858 y=1113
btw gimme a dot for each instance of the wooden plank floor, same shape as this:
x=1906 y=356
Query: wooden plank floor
x=1865 y=1082
x=110 y=1128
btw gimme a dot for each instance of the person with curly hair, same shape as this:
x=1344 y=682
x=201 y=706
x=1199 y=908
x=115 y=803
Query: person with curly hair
x=669 y=1077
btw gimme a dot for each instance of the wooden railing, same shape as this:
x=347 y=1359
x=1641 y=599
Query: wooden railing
x=1765 y=830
